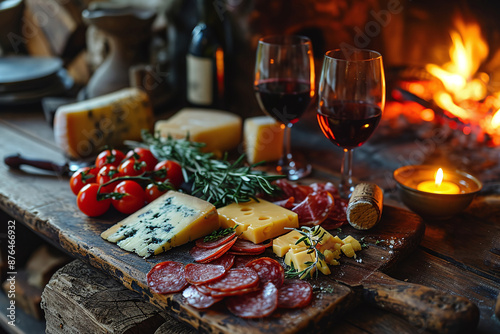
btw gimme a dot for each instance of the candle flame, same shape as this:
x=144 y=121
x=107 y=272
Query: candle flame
x=439 y=177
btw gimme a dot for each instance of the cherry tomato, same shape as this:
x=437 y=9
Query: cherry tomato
x=131 y=167
x=173 y=172
x=133 y=200
x=87 y=201
x=105 y=174
x=143 y=154
x=81 y=177
x=153 y=192
x=109 y=157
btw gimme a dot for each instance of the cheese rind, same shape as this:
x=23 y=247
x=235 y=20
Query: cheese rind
x=263 y=139
x=83 y=128
x=172 y=220
x=219 y=130
x=258 y=221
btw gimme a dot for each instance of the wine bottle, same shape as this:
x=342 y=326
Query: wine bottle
x=205 y=61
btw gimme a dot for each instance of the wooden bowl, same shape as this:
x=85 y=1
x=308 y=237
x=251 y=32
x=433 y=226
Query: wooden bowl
x=431 y=205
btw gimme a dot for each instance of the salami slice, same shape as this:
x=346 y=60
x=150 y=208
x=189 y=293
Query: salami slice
x=215 y=243
x=203 y=273
x=221 y=294
x=203 y=289
x=197 y=299
x=236 y=279
x=294 y=293
x=299 y=192
x=255 y=304
x=269 y=270
x=245 y=246
x=205 y=255
x=286 y=203
x=167 y=277
x=226 y=260
x=244 y=254
x=241 y=261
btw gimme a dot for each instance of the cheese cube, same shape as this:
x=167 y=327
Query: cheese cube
x=283 y=244
x=302 y=259
x=263 y=138
x=219 y=130
x=258 y=221
x=83 y=128
x=348 y=250
x=171 y=220
x=354 y=243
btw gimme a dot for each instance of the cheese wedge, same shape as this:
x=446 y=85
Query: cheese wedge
x=219 y=130
x=258 y=221
x=83 y=128
x=171 y=220
x=263 y=139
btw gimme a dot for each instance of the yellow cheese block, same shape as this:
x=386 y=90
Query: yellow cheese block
x=283 y=244
x=263 y=138
x=171 y=220
x=83 y=128
x=301 y=259
x=219 y=130
x=258 y=221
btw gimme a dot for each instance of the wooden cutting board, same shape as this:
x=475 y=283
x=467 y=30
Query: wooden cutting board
x=397 y=235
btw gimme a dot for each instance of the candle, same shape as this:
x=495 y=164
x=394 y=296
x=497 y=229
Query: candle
x=438 y=186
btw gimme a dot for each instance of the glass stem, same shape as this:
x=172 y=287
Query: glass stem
x=345 y=186
x=287 y=159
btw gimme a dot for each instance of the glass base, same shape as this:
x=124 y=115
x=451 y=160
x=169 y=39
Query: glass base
x=294 y=171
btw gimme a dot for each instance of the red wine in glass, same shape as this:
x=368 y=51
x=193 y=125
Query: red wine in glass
x=283 y=99
x=349 y=124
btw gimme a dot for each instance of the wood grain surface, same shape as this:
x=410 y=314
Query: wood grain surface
x=459 y=257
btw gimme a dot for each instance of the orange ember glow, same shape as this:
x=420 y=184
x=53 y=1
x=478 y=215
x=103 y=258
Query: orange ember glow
x=465 y=92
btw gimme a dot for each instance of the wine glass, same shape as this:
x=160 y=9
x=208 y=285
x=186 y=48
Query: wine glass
x=284 y=88
x=351 y=98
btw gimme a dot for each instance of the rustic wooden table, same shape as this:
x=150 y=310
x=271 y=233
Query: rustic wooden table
x=460 y=256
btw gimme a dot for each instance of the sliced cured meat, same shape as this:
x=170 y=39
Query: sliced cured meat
x=197 y=299
x=226 y=260
x=328 y=186
x=241 y=261
x=288 y=203
x=221 y=294
x=315 y=208
x=196 y=273
x=236 y=279
x=203 y=289
x=204 y=255
x=167 y=277
x=337 y=216
x=255 y=304
x=245 y=254
x=269 y=270
x=215 y=243
x=299 y=192
x=294 y=293
x=245 y=246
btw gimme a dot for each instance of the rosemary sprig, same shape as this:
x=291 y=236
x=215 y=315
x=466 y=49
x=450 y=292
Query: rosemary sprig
x=311 y=237
x=220 y=182
x=220 y=233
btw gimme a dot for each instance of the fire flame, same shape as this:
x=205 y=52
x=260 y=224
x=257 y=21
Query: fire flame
x=439 y=177
x=465 y=89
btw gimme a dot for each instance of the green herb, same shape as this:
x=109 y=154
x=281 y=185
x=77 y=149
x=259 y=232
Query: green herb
x=311 y=237
x=220 y=233
x=339 y=230
x=363 y=243
x=220 y=182
x=377 y=242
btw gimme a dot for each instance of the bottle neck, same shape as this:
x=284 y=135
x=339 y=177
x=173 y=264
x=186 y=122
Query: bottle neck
x=207 y=11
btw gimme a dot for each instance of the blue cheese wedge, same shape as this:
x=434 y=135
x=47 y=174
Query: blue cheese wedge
x=172 y=220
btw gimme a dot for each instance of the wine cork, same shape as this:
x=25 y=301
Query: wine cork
x=365 y=206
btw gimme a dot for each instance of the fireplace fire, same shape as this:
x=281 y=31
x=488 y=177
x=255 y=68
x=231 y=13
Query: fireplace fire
x=459 y=93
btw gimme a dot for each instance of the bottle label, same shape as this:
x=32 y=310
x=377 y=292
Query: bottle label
x=199 y=80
